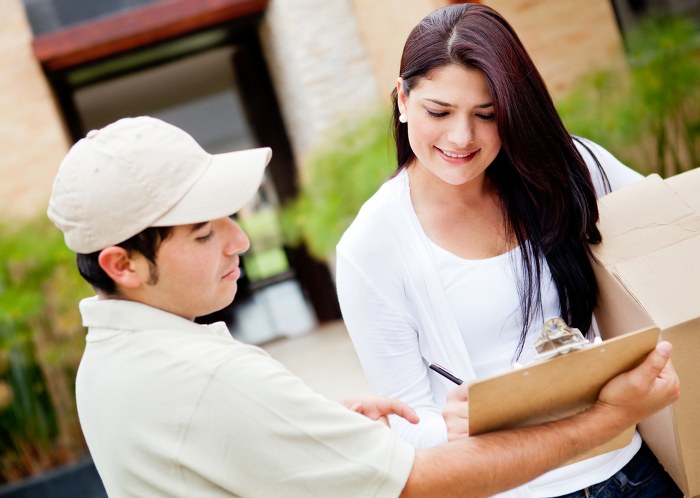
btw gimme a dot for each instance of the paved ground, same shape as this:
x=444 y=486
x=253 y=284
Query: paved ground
x=324 y=358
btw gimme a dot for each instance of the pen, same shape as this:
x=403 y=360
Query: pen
x=445 y=373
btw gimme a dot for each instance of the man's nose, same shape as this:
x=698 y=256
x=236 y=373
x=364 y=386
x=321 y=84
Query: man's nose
x=236 y=239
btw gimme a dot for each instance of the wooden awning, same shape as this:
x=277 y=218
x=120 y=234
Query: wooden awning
x=137 y=28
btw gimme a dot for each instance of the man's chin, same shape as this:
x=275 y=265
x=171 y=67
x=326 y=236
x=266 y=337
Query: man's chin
x=224 y=302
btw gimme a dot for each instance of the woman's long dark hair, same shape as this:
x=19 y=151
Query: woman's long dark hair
x=543 y=182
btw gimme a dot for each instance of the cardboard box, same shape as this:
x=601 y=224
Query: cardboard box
x=649 y=275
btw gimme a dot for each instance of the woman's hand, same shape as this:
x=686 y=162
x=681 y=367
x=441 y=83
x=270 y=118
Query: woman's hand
x=456 y=413
x=379 y=408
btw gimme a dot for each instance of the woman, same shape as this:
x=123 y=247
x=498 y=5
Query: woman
x=481 y=235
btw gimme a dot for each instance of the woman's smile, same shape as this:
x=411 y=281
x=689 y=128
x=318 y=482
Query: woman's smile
x=459 y=156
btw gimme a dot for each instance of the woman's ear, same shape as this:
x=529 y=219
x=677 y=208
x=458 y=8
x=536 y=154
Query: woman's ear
x=400 y=96
x=118 y=264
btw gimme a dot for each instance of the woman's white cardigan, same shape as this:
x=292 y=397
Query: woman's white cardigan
x=394 y=306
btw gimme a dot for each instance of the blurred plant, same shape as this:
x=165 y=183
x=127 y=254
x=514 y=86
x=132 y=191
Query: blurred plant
x=41 y=340
x=353 y=160
x=648 y=114
x=265 y=258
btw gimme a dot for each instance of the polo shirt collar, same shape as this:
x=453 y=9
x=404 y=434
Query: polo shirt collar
x=134 y=316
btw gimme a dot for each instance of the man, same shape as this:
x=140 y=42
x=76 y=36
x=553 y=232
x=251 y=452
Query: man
x=172 y=408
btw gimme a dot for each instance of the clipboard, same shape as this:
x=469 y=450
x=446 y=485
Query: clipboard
x=558 y=387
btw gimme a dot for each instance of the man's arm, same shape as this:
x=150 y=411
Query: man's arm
x=487 y=464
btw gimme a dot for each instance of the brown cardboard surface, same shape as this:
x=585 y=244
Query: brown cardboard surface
x=649 y=275
x=686 y=412
x=643 y=218
x=558 y=387
x=686 y=186
x=665 y=283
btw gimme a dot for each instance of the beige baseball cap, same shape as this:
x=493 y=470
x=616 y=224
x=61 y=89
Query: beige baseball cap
x=143 y=172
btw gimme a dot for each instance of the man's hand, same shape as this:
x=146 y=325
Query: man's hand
x=456 y=413
x=379 y=408
x=646 y=389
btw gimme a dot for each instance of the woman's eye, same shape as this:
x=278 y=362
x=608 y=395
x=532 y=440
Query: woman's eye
x=486 y=117
x=433 y=114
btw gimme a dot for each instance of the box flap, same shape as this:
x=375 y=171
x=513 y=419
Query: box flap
x=645 y=217
x=687 y=185
x=666 y=283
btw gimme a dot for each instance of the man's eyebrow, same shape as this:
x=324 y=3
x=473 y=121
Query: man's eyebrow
x=197 y=226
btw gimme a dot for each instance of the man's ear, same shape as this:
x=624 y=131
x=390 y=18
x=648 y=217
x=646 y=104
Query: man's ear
x=118 y=264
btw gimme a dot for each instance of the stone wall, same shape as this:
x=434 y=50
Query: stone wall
x=32 y=137
x=318 y=64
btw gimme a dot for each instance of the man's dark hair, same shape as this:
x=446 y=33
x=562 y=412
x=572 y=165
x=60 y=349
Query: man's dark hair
x=147 y=243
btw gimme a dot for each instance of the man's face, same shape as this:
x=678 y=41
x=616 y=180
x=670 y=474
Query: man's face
x=197 y=269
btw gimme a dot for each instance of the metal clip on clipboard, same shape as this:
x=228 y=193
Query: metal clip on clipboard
x=556 y=339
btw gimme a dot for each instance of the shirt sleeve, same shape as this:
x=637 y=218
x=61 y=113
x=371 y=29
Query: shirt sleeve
x=388 y=347
x=618 y=174
x=273 y=435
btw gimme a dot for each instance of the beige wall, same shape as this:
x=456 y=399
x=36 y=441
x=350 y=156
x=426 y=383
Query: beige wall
x=385 y=25
x=32 y=137
x=565 y=38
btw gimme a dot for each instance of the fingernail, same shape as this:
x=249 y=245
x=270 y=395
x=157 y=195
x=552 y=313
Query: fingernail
x=664 y=348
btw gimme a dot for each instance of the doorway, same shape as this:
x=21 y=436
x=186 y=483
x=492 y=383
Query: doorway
x=214 y=84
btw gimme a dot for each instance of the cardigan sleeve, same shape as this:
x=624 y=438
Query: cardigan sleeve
x=618 y=174
x=387 y=341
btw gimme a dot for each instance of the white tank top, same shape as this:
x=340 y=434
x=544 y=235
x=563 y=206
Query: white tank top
x=483 y=297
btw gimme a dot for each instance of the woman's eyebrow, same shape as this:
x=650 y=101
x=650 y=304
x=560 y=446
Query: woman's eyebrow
x=439 y=102
x=445 y=104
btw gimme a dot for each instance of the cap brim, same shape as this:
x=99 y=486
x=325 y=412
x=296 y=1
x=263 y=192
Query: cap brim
x=229 y=183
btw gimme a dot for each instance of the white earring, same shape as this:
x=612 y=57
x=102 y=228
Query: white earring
x=403 y=118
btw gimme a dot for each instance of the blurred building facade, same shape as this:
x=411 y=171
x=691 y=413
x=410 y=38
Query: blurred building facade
x=325 y=58
x=239 y=73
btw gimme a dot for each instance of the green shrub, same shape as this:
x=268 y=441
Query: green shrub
x=41 y=341
x=649 y=113
x=353 y=160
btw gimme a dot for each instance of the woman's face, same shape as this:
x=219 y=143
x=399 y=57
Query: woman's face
x=451 y=124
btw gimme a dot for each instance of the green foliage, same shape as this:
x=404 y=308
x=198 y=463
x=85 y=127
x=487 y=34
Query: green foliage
x=266 y=258
x=649 y=114
x=341 y=174
x=41 y=341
